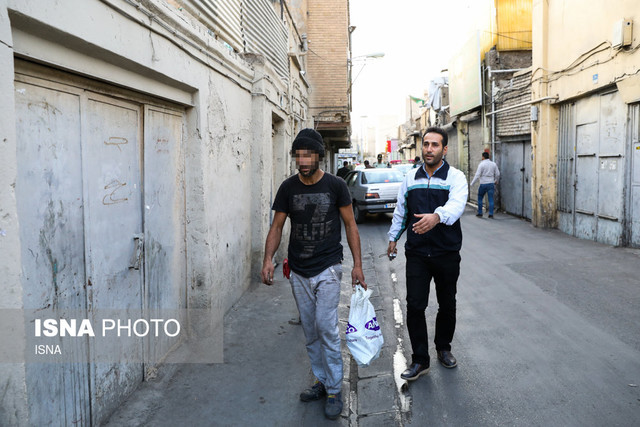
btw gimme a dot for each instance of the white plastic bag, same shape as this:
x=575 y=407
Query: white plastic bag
x=364 y=337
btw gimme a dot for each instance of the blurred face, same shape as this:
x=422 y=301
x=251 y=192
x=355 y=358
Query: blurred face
x=432 y=149
x=307 y=162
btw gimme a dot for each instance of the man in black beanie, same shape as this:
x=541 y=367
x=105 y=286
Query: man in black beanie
x=315 y=201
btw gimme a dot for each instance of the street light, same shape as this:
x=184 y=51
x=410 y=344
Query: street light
x=350 y=62
x=369 y=56
x=362 y=58
x=359 y=58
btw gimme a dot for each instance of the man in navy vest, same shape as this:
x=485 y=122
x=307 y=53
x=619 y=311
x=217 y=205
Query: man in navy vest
x=431 y=201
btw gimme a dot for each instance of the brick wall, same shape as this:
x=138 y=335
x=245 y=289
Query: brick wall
x=328 y=22
x=517 y=121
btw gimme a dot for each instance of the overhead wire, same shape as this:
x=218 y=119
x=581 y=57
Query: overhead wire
x=555 y=75
x=510 y=38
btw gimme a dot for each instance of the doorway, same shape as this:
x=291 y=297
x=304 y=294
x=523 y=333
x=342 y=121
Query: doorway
x=101 y=205
x=515 y=182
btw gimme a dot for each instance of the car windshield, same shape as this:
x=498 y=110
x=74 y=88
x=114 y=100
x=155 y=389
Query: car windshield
x=381 y=176
x=404 y=168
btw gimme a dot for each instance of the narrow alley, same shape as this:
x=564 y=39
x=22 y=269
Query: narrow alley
x=143 y=147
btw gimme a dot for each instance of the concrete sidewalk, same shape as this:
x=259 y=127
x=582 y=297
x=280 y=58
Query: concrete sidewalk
x=265 y=369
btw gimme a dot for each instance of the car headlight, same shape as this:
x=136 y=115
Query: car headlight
x=371 y=196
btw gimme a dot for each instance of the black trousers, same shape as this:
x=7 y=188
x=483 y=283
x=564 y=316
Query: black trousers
x=444 y=270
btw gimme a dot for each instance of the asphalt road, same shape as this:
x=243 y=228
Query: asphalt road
x=548 y=330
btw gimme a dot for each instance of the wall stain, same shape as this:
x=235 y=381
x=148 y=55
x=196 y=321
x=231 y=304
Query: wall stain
x=47 y=236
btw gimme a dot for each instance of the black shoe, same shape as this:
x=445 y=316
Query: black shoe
x=446 y=358
x=479 y=215
x=316 y=392
x=414 y=371
x=490 y=216
x=333 y=407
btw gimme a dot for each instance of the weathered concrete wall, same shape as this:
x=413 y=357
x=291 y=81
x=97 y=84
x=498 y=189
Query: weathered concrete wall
x=586 y=36
x=13 y=401
x=544 y=133
x=230 y=106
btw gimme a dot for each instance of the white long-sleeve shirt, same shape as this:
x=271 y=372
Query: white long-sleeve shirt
x=487 y=172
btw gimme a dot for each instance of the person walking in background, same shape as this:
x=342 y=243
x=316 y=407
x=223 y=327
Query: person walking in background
x=380 y=163
x=344 y=170
x=367 y=165
x=315 y=201
x=431 y=201
x=489 y=175
x=416 y=162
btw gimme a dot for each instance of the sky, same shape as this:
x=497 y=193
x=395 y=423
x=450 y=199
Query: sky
x=418 y=37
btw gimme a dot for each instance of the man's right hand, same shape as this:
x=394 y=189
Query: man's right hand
x=267 y=272
x=391 y=249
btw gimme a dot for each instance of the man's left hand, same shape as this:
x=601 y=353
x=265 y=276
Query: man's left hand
x=357 y=277
x=426 y=222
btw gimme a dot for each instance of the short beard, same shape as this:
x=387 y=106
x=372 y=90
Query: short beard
x=308 y=174
x=434 y=162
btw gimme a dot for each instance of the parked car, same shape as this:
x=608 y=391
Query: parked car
x=404 y=167
x=373 y=191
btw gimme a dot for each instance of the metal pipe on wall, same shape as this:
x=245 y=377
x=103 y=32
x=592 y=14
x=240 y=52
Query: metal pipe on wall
x=493 y=120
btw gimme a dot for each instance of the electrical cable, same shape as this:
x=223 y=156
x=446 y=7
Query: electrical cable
x=556 y=75
x=325 y=59
x=510 y=38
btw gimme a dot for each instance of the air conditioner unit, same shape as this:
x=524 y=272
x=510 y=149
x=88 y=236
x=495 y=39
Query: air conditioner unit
x=622 y=33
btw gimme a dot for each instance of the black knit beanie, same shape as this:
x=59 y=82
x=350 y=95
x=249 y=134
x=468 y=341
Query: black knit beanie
x=308 y=139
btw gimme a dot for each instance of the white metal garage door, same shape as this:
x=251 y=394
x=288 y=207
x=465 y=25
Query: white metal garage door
x=591 y=168
x=634 y=211
x=515 y=182
x=99 y=177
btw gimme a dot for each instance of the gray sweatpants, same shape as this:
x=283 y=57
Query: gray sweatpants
x=317 y=298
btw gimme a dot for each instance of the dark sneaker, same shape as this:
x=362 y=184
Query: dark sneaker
x=414 y=371
x=447 y=359
x=491 y=216
x=316 y=392
x=479 y=215
x=333 y=407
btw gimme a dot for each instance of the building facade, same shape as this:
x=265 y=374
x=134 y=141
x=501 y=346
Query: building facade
x=586 y=154
x=142 y=144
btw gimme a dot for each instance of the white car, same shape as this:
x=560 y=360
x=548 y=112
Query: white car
x=373 y=191
x=404 y=167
